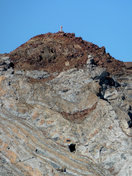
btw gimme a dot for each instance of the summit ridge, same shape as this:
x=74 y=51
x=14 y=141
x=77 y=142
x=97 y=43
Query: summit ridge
x=52 y=50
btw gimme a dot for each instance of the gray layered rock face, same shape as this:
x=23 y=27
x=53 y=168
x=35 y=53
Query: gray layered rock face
x=74 y=122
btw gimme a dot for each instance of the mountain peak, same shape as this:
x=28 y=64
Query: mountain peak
x=61 y=51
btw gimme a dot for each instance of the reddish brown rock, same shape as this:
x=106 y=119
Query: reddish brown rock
x=50 y=51
x=128 y=65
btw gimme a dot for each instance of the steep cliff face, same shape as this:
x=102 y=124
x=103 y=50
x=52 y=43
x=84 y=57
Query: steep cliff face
x=65 y=109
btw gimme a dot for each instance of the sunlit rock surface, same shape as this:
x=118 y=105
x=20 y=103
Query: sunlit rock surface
x=65 y=109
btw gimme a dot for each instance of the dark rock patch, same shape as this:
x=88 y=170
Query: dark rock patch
x=130 y=123
x=72 y=147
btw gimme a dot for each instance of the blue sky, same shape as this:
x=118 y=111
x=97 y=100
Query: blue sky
x=104 y=22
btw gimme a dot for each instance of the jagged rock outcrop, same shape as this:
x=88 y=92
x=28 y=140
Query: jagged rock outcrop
x=65 y=109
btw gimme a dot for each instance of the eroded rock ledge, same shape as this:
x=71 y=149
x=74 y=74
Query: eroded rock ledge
x=65 y=109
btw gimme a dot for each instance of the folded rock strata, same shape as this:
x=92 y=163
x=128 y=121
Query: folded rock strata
x=65 y=109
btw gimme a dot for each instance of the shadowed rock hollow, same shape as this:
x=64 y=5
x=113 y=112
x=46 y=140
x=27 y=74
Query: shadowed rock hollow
x=65 y=109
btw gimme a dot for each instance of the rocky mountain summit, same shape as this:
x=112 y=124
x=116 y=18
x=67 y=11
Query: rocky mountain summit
x=65 y=109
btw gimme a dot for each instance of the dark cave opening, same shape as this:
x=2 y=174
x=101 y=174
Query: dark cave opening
x=72 y=147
